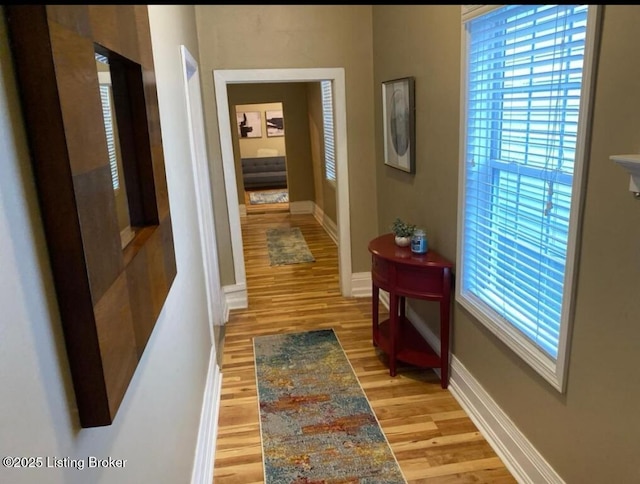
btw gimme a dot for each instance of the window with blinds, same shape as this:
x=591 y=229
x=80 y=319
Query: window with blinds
x=329 y=145
x=107 y=113
x=525 y=97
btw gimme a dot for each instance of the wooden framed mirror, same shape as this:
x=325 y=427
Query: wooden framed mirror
x=110 y=287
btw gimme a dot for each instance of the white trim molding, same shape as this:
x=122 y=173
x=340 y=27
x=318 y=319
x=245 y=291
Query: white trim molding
x=361 y=284
x=329 y=225
x=202 y=472
x=235 y=297
x=519 y=455
x=202 y=189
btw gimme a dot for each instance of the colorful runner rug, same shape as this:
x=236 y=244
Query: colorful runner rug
x=317 y=425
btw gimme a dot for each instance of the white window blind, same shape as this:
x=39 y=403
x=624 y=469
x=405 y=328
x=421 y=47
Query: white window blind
x=108 y=129
x=107 y=114
x=329 y=145
x=524 y=82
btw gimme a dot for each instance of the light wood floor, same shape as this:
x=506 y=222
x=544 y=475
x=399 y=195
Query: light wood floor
x=433 y=439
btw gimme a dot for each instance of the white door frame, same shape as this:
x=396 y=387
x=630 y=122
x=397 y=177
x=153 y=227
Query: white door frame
x=251 y=76
x=202 y=182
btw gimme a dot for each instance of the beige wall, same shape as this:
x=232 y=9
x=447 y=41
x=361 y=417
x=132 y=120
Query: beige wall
x=299 y=36
x=156 y=427
x=293 y=97
x=590 y=433
x=325 y=190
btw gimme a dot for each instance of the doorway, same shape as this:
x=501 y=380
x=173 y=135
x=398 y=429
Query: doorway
x=336 y=75
x=262 y=151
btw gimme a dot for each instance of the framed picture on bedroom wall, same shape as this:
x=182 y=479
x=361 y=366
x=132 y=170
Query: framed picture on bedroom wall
x=249 y=124
x=398 y=115
x=275 y=123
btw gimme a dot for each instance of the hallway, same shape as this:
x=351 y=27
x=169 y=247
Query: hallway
x=429 y=433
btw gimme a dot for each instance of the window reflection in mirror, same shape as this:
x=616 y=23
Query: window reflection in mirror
x=113 y=146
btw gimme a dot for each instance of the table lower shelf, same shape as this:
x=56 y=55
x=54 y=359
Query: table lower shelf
x=410 y=348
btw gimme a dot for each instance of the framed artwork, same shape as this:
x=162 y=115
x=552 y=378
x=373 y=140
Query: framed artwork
x=398 y=114
x=249 y=124
x=275 y=123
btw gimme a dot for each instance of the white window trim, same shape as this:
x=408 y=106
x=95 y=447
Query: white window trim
x=553 y=371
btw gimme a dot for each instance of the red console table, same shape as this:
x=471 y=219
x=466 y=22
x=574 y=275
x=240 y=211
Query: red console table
x=404 y=274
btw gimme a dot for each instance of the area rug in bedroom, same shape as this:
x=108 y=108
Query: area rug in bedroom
x=268 y=196
x=287 y=246
x=316 y=423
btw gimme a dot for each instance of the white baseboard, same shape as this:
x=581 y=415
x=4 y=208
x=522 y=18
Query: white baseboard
x=207 y=434
x=235 y=297
x=331 y=228
x=519 y=455
x=225 y=310
x=361 y=284
x=328 y=225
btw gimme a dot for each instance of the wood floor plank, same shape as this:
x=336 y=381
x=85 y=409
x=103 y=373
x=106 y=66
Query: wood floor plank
x=433 y=439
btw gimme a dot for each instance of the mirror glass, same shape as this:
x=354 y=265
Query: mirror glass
x=113 y=146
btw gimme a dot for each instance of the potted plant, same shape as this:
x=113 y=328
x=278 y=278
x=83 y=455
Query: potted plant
x=403 y=232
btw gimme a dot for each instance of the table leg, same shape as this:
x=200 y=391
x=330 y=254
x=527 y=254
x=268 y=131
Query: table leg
x=393 y=332
x=375 y=302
